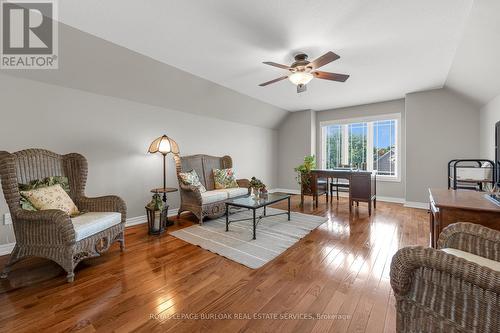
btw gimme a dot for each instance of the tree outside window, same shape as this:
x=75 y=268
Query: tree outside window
x=370 y=145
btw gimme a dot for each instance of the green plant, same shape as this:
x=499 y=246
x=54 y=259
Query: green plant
x=256 y=183
x=304 y=170
x=156 y=203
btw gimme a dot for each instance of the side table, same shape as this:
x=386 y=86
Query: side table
x=164 y=191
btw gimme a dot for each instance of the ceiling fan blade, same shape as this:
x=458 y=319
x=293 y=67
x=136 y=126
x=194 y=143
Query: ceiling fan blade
x=270 y=63
x=331 y=76
x=324 y=59
x=273 y=81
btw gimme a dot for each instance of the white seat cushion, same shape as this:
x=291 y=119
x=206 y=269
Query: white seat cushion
x=494 y=265
x=91 y=223
x=213 y=196
x=234 y=192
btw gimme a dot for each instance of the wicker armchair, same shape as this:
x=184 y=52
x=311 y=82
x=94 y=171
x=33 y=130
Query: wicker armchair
x=191 y=198
x=50 y=233
x=439 y=292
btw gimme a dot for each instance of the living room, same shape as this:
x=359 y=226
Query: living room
x=263 y=163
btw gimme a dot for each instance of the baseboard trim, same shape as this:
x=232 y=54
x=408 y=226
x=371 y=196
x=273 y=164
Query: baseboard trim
x=136 y=221
x=143 y=218
x=391 y=199
x=284 y=190
x=344 y=195
x=415 y=204
x=130 y=221
x=6 y=249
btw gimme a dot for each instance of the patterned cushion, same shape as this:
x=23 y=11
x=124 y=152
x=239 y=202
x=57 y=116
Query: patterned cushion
x=224 y=178
x=51 y=197
x=39 y=183
x=191 y=178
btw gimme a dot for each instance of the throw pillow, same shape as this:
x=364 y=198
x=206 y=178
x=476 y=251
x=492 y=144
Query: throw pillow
x=191 y=178
x=224 y=178
x=51 y=197
x=49 y=181
x=39 y=183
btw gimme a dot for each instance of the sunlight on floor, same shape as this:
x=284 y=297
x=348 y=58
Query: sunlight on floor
x=165 y=302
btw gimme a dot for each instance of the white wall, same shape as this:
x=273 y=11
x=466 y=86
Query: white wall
x=390 y=189
x=440 y=126
x=114 y=135
x=490 y=115
x=475 y=71
x=295 y=140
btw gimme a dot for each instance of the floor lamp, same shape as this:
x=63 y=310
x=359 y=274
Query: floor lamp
x=164 y=145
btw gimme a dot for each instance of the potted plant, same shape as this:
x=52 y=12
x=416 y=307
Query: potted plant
x=304 y=174
x=257 y=186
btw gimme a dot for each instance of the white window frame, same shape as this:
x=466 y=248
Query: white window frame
x=369 y=155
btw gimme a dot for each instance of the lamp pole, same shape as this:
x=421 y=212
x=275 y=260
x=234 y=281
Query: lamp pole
x=164 y=178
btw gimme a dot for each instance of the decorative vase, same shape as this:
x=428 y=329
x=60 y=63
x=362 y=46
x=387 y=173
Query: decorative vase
x=263 y=193
x=256 y=192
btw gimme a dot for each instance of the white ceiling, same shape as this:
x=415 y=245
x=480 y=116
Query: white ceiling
x=476 y=69
x=388 y=47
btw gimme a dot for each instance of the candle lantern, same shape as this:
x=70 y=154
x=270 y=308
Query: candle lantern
x=157 y=213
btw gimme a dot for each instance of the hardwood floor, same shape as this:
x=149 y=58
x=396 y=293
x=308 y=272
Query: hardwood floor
x=165 y=284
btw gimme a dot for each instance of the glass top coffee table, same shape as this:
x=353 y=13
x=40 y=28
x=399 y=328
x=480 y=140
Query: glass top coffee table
x=253 y=203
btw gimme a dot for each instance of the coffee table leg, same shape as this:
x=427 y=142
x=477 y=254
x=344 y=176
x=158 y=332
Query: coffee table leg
x=254 y=226
x=288 y=208
x=227 y=217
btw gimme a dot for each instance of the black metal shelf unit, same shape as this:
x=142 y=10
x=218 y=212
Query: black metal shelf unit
x=460 y=169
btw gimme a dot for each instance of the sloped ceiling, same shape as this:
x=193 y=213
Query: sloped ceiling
x=388 y=47
x=92 y=64
x=170 y=53
x=475 y=72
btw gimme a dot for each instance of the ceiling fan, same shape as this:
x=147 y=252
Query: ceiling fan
x=302 y=71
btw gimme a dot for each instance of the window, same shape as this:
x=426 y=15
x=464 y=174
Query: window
x=384 y=147
x=357 y=145
x=333 y=146
x=368 y=144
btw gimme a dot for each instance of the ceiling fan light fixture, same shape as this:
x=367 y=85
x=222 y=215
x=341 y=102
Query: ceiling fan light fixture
x=302 y=71
x=300 y=78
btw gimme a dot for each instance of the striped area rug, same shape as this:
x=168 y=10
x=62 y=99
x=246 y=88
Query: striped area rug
x=274 y=235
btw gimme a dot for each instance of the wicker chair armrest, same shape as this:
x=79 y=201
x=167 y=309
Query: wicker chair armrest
x=109 y=203
x=44 y=226
x=408 y=259
x=190 y=193
x=472 y=238
x=245 y=183
x=186 y=187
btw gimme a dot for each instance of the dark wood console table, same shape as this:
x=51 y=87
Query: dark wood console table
x=363 y=185
x=451 y=206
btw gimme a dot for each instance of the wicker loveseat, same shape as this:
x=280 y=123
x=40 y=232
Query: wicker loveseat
x=454 y=289
x=211 y=203
x=52 y=234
